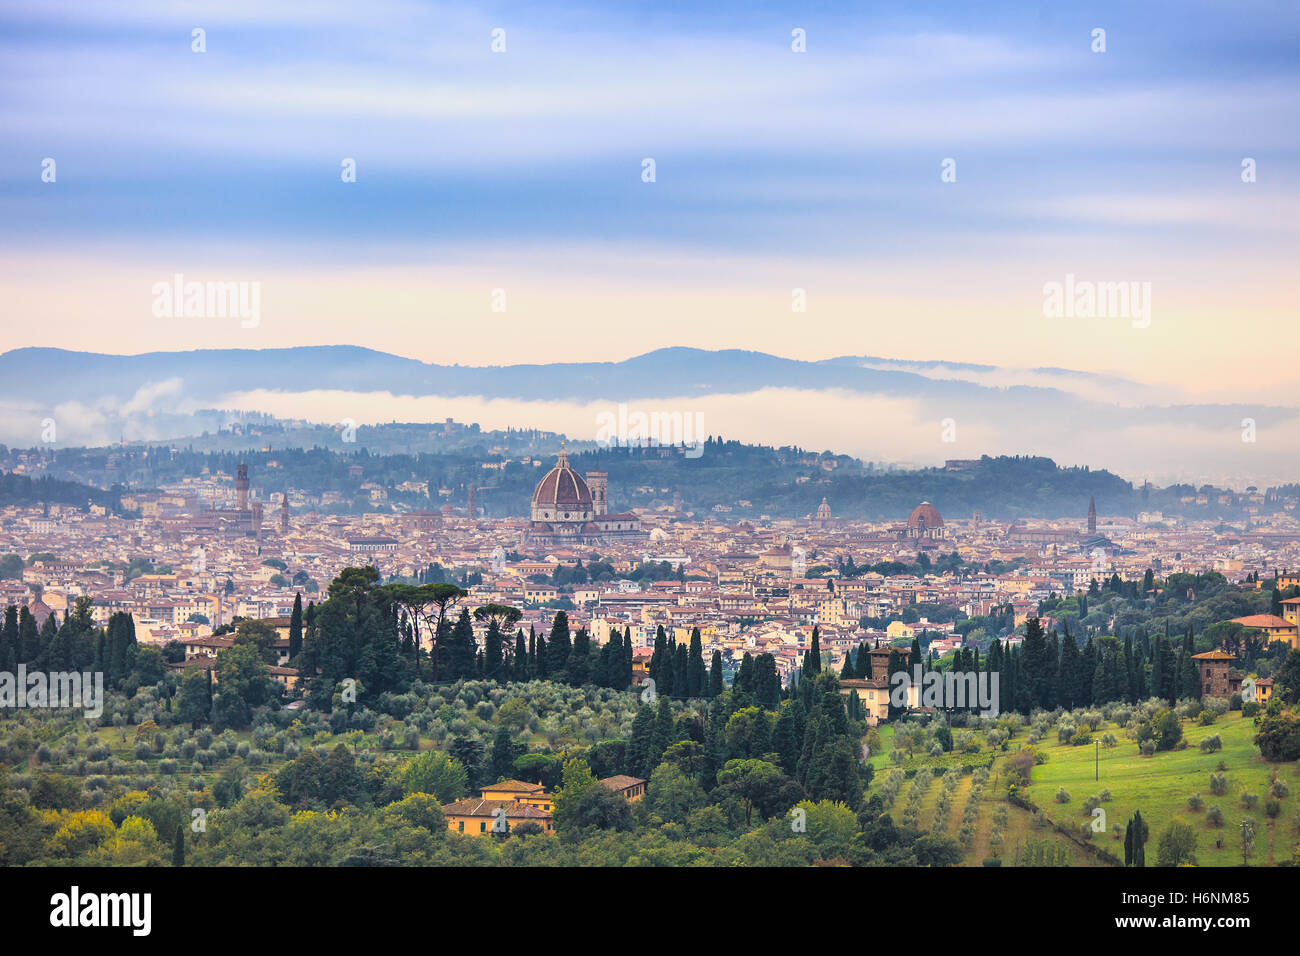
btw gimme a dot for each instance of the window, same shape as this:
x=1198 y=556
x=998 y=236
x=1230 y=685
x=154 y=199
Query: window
x=482 y=828
x=461 y=826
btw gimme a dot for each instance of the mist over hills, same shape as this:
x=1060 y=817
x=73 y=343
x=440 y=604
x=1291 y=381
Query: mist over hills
x=878 y=409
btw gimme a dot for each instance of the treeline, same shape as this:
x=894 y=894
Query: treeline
x=26 y=491
x=78 y=645
x=1053 y=670
x=384 y=637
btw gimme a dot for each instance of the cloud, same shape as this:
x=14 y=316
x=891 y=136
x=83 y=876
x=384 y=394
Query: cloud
x=876 y=428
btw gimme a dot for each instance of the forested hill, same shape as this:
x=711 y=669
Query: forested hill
x=736 y=479
x=25 y=491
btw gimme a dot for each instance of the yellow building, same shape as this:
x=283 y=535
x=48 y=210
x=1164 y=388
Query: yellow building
x=874 y=695
x=632 y=788
x=1291 y=611
x=1274 y=627
x=1263 y=690
x=500 y=808
x=521 y=792
x=897 y=629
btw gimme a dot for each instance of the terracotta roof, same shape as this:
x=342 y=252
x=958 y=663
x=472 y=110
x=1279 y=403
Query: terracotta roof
x=621 y=781
x=1214 y=655
x=527 y=813
x=475 y=807
x=515 y=786
x=857 y=683
x=1262 y=620
x=478 y=807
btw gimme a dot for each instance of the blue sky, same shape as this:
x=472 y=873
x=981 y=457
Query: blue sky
x=774 y=170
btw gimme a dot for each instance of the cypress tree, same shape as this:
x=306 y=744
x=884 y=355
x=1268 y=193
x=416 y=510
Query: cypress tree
x=681 y=672
x=1176 y=681
x=625 y=680
x=661 y=736
x=295 y=628
x=696 y=678
x=522 y=657
x=715 y=675
x=767 y=682
x=178 y=846
x=1191 y=683
x=493 y=656
x=814 y=661
x=638 y=748
x=9 y=642
x=658 y=657
x=560 y=645
x=744 y=679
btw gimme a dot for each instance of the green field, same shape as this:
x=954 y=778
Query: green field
x=1160 y=785
x=1021 y=827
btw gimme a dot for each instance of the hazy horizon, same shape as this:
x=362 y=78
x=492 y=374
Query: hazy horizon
x=470 y=185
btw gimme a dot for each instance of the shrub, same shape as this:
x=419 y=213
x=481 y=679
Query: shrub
x=1195 y=803
x=1272 y=808
x=1062 y=796
x=1218 y=784
x=1164 y=730
x=1279 y=737
x=1214 y=817
x=1249 y=800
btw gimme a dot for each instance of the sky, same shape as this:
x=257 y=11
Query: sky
x=522 y=171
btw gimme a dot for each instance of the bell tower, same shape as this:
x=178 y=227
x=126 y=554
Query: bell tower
x=598 y=483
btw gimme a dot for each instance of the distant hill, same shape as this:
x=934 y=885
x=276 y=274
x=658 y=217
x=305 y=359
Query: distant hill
x=876 y=409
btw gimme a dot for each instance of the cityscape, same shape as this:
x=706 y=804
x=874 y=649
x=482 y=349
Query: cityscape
x=654 y=436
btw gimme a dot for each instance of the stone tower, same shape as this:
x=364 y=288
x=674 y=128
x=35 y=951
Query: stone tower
x=241 y=487
x=598 y=484
x=1092 y=515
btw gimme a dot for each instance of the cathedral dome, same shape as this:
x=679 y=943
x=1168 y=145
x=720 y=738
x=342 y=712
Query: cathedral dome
x=924 y=517
x=562 y=495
